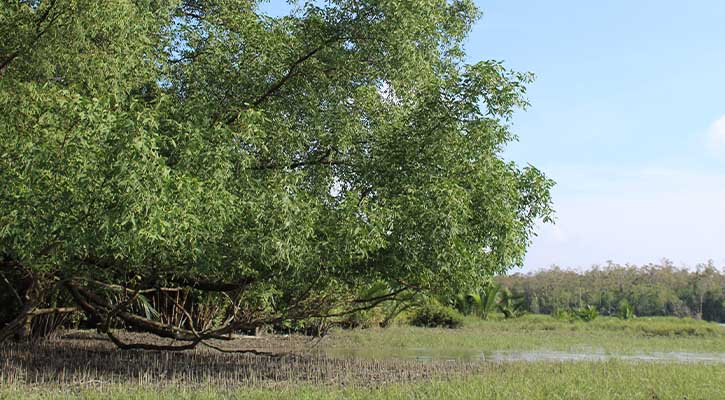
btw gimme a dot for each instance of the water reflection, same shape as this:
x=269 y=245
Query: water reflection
x=424 y=354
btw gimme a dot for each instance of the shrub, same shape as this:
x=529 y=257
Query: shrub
x=587 y=313
x=362 y=319
x=563 y=315
x=434 y=315
x=625 y=310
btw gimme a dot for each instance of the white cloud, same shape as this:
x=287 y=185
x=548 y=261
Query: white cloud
x=716 y=135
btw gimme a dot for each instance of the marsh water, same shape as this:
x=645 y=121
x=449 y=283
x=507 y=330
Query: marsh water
x=424 y=354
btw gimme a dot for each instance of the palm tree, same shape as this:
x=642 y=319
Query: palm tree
x=489 y=299
x=481 y=302
x=511 y=305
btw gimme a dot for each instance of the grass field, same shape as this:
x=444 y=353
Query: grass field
x=520 y=380
x=386 y=364
x=537 y=332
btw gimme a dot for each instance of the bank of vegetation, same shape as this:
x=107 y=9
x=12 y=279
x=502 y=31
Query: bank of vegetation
x=624 y=290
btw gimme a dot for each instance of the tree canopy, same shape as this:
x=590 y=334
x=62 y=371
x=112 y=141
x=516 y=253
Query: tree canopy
x=287 y=161
x=649 y=290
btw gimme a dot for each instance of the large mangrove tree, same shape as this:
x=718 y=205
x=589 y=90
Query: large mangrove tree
x=281 y=165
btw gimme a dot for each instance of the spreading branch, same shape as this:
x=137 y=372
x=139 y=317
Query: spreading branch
x=324 y=159
x=40 y=31
x=292 y=71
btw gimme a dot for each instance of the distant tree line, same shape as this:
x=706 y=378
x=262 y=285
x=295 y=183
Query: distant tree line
x=651 y=290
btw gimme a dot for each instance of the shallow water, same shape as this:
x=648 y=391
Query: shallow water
x=565 y=356
x=423 y=354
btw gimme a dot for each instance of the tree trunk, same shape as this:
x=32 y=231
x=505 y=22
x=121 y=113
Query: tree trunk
x=20 y=327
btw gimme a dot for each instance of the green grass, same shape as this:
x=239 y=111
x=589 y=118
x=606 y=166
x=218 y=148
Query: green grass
x=520 y=380
x=92 y=369
x=536 y=332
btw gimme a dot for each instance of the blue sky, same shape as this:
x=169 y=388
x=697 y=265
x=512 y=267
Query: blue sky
x=628 y=116
x=624 y=117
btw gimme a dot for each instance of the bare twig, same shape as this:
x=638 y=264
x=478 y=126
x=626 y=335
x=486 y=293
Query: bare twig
x=55 y=310
x=12 y=288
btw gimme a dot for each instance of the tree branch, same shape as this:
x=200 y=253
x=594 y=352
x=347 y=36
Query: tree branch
x=291 y=71
x=11 y=287
x=23 y=319
x=188 y=281
x=323 y=160
x=55 y=310
x=39 y=33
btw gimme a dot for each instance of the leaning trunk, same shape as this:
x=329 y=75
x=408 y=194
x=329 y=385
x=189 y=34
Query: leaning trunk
x=20 y=327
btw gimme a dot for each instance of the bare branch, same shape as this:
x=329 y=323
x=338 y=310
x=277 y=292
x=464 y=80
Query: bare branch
x=185 y=312
x=255 y=352
x=12 y=288
x=146 y=346
x=55 y=310
x=212 y=286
